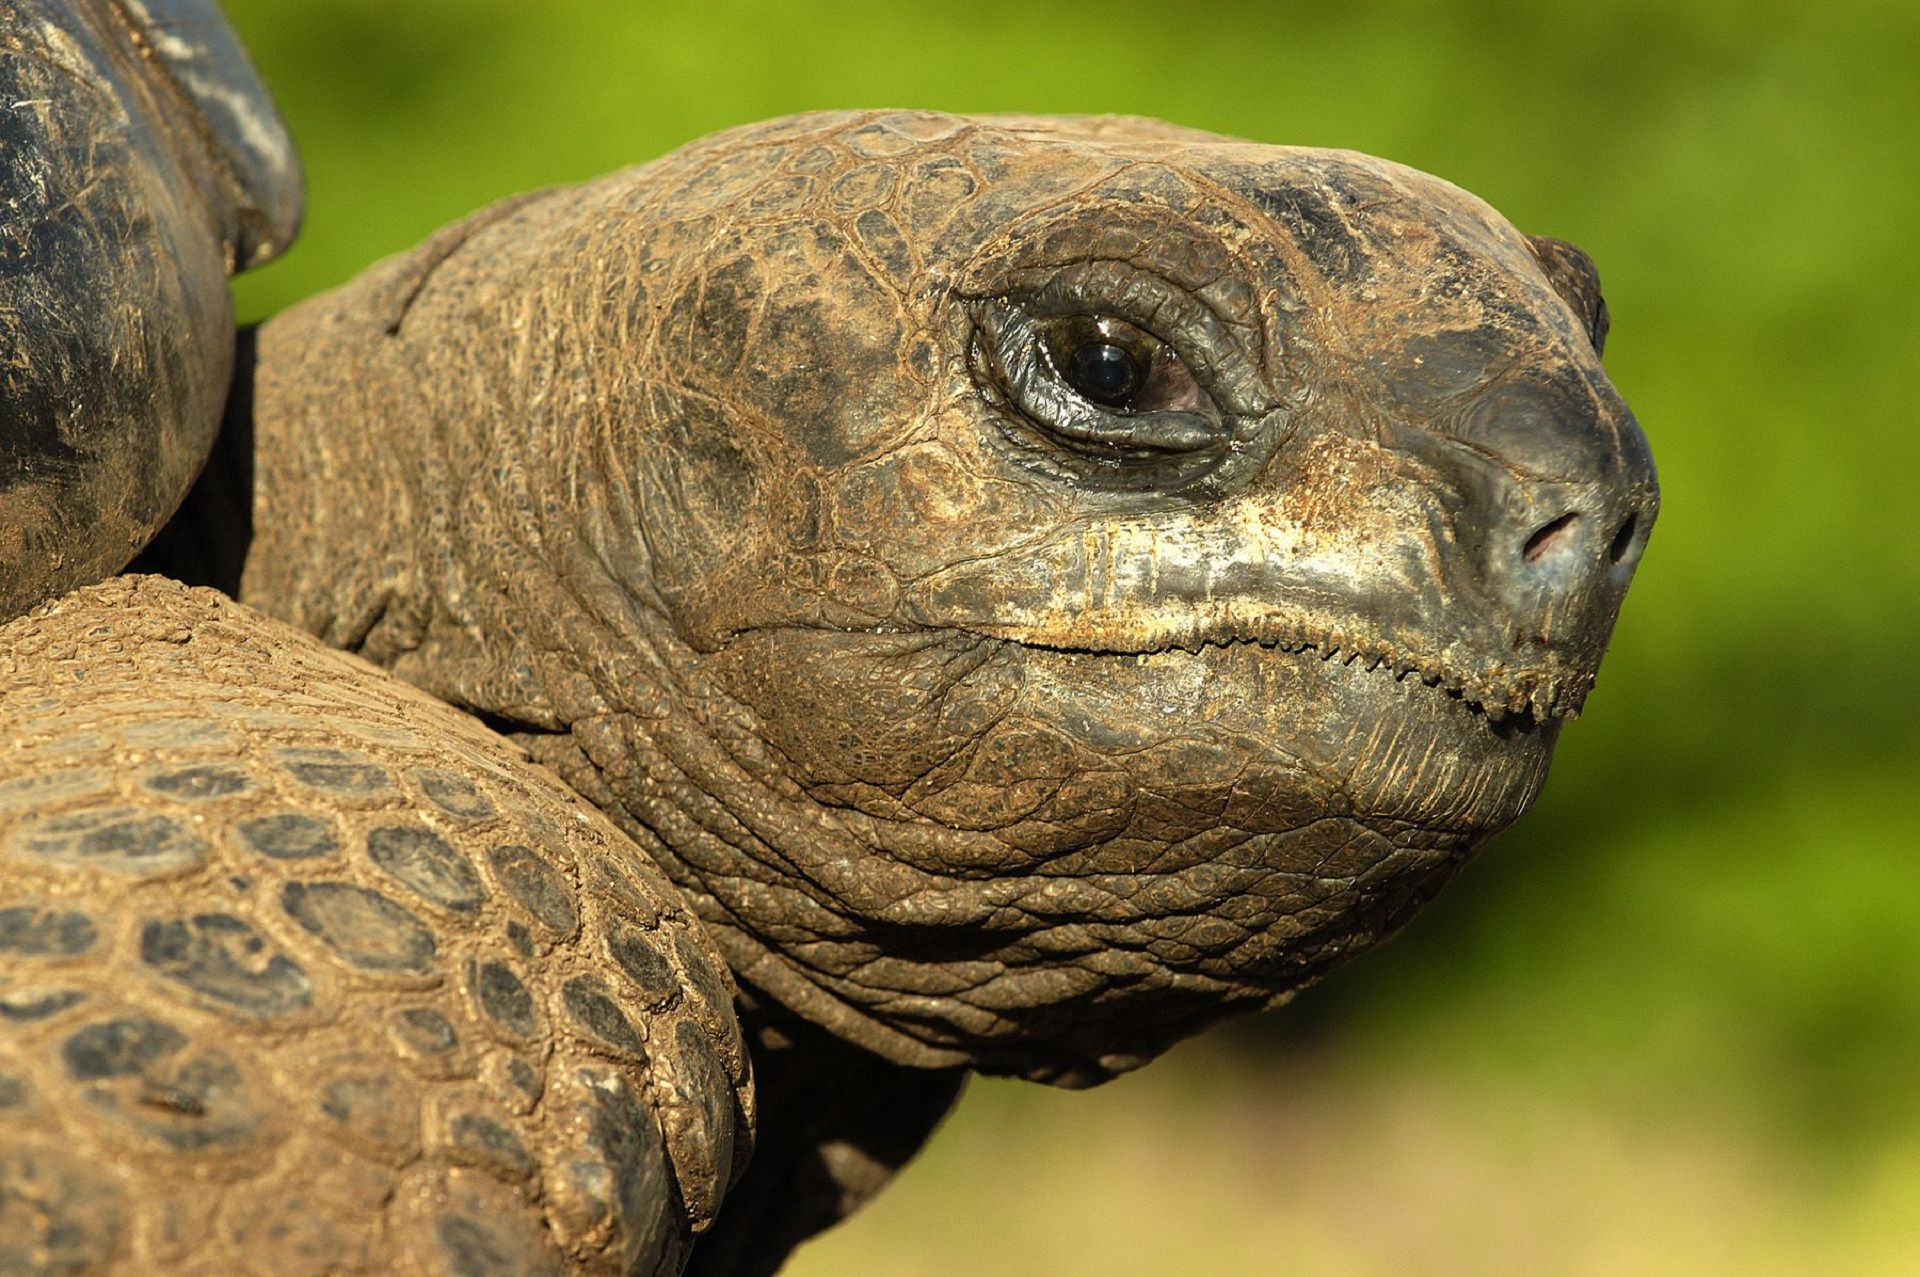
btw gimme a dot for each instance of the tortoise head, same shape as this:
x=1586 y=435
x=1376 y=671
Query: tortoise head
x=1054 y=582
x=1160 y=559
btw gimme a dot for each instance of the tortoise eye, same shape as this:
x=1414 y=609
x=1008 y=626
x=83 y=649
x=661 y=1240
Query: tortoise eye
x=1113 y=364
x=1097 y=399
x=1105 y=373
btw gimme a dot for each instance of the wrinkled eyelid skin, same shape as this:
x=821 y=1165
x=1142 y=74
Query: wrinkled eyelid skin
x=1050 y=429
x=1231 y=359
x=1134 y=259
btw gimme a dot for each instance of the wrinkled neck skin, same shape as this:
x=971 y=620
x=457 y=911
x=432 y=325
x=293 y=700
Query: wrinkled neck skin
x=693 y=487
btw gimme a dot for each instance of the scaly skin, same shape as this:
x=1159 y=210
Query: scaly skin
x=984 y=727
x=302 y=972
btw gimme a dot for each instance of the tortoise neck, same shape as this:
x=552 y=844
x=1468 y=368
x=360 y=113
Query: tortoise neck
x=341 y=522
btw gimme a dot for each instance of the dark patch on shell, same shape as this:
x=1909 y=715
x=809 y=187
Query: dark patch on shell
x=365 y=928
x=226 y=959
x=476 y=1246
x=290 y=836
x=592 y=1009
x=199 y=783
x=638 y=953
x=536 y=886
x=337 y=771
x=425 y=1030
x=491 y=1143
x=36 y=931
x=453 y=793
x=502 y=996
x=37 y=1004
x=118 y=838
x=424 y=861
x=623 y=1133
x=374 y=1107
x=120 y=1048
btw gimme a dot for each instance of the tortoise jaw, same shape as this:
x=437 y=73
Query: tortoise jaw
x=1510 y=698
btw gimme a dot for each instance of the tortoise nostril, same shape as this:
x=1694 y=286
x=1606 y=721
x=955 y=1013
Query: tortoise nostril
x=1550 y=535
x=1623 y=540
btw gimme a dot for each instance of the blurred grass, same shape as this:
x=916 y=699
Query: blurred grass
x=1672 y=1021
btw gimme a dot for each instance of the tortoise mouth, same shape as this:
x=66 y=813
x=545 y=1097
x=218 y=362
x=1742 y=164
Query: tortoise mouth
x=1295 y=729
x=1511 y=707
x=1299 y=732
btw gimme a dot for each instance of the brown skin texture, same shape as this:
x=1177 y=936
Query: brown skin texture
x=302 y=972
x=137 y=169
x=984 y=724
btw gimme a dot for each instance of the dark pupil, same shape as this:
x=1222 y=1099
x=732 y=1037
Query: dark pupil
x=1104 y=373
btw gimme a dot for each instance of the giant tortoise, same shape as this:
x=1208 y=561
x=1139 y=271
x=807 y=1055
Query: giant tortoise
x=704 y=658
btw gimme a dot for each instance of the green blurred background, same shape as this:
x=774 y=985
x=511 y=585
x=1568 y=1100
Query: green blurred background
x=1671 y=1023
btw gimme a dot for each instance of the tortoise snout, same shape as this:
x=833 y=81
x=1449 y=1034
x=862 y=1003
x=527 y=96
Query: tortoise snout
x=1559 y=554
x=1570 y=548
